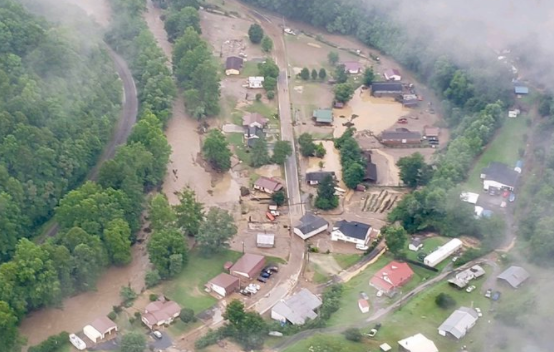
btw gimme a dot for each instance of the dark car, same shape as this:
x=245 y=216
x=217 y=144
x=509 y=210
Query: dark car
x=262 y=279
x=496 y=296
x=265 y=274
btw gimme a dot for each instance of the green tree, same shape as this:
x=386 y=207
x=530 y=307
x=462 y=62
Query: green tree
x=152 y=278
x=320 y=150
x=187 y=315
x=175 y=264
x=255 y=33
x=216 y=231
x=322 y=74
x=281 y=151
x=267 y=44
x=279 y=197
x=128 y=295
x=247 y=328
x=160 y=213
x=346 y=135
x=314 y=74
x=269 y=68
x=340 y=74
x=259 y=155
x=162 y=245
x=133 y=342
x=326 y=198
x=270 y=94
x=369 y=76
x=414 y=171
x=269 y=84
x=333 y=57
x=8 y=327
x=189 y=211
x=353 y=175
x=343 y=92
x=176 y=22
x=445 y=301
x=460 y=89
x=305 y=74
x=216 y=151
x=395 y=238
x=307 y=145
x=353 y=334
x=117 y=236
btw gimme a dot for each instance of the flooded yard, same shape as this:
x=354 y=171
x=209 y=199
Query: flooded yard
x=331 y=162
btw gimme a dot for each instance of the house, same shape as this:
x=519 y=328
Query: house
x=297 y=309
x=386 y=89
x=431 y=133
x=310 y=225
x=469 y=197
x=223 y=284
x=253 y=132
x=514 y=275
x=352 y=67
x=248 y=266
x=233 y=65
x=521 y=90
x=314 y=178
x=400 y=136
x=265 y=240
x=323 y=116
x=254 y=120
x=99 y=328
x=391 y=277
x=351 y=231
x=392 y=75
x=459 y=322
x=160 y=313
x=499 y=176
x=415 y=244
x=255 y=82
x=363 y=305
x=417 y=343
x=370 y=174
x=268 y=185
x=443 y=252
x=463 y=278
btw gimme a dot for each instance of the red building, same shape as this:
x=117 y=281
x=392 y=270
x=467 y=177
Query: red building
x=391 y=277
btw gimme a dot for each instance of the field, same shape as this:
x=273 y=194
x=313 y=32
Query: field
x=346 y=260
x=324 y=343
x=505 y=148
x=429 y=246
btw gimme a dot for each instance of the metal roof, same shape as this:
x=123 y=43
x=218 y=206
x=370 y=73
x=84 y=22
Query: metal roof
x=310 y=222
x=299 y=307
x=459 y=322
x=514 y=275
x=418 y=343
x=501 y=173
x=323 y=115
x=353 y=229
x=265 y=238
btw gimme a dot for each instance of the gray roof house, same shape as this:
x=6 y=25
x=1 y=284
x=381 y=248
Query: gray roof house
x=514 y=275
x=499 y=175
x=297 y=308
x=459 y=322
x=380 y=89
x=310 y=225
x=314 y=178
x=351 y=231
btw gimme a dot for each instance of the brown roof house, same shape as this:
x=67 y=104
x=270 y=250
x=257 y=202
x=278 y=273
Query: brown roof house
x=160 y=313
x=400 y=136
x=268 y=185
x=99 y=328
x=248 y=266
x=352 y=67
x=430 y=132
x=223 y=284
x=233 y=65
x=254 y=120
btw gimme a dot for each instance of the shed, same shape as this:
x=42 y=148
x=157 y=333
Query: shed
x=363 y=305
x=443 y=252
x=249 y=266
x=392 y=75
x=415 y=244
x=233 y=65
x=370 y=174
x=430 y=132
x=223 y=284
x=265 y=240
x=297 y=309
x=514 y=275
x=310 y=225
x=469 y=197
x=385 y=347
x=255 y=82
x=323 y=116
x=459 y=322
x=99 y=328
x=417 y=343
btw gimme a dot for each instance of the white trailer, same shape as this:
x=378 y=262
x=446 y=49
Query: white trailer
x=443 y=252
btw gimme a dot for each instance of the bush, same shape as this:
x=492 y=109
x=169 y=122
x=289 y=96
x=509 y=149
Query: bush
x=187 y=315
x=353 y=334
x=445 y=301
x=117 y=309
x=152 y=278
x=112 y=315
x=52 y=344
x=270 y=94
x=153 y=297
x=258 y=96
x=137 y=315
x=211 y=338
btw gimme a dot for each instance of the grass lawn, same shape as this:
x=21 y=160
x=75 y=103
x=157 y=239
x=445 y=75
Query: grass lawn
x=261 y=108
x=236 y=140
x=249 y=69
x=346 y=260
x=504 y=148
x=320 y=276
x=178 y=327
x=327 y=342
x=429 y=246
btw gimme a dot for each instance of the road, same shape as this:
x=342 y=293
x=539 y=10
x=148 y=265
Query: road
x=127 y=119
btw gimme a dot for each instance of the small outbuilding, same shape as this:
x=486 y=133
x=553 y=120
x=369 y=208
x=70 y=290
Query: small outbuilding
x=265 y=240
x=255 y=82
x=514 y=275
x=310 y=225
x=521 y=90
x=417 y=343
x=415 y=244
x=267 y=185
x=459 y=323
x=323 y=116
x=223 y=284
x=363 y=305
x=385 y=347
x=469 y=197
x=431 y=133
x=248 y=266
x=99 y=329
x=352 y=67
x=233 y=65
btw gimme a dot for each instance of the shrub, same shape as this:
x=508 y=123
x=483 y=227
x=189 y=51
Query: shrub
x=52 y=344
x=353 y=334
x=112 y=315
x=445 y=301
x=152 y=278
x=153 y=297
x=258 y=96
x=270 y=94
x=187 y=315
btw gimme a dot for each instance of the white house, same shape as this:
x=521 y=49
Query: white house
x=255 y=82
x=310 y=225
x=99 y=328
x=443 y=252
x=499 y=176
x=417 y=343
x=351 y=231
x=459 y=322
x=415 y=244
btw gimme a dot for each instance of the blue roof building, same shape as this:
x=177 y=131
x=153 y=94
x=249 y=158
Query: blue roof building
x=520 y=90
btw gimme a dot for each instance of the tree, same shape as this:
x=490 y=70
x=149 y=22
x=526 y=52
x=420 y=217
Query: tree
x=322 y=74
x=346 y=135
x=353 y=175
x=445 y=301
x=259 y=155
x=269 y=68
x=128 y=295
x=305 y=74
x=414 y=171
x=269 y=84
x=258 y=97
x=163 y=244
x=343 y=92
x=160 y=213
x=270 y=94
x=176 y=22
x=189 y=212
x=133 y=342
x=333 y=57
x=175 y=264
x=369 y=76
x=281 y=151
x=216 y=151
x=216 y=230
x=320 y=150
x=255 y=33
x=326 y=198
x=187 y=315
x=247 y=328
x=267 y=44
x=314 y=74
x=340 y=74
x=152 y=278
x=395 y=238
x=8 y=326
x=279 y=198
x=353 y=334
x=117 y=236
x=307 y=145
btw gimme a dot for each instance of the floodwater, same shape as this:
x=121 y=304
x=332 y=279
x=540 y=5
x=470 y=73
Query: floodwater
x=374 y=114
x=270 y=171
x=331 y=162
x=388 y=172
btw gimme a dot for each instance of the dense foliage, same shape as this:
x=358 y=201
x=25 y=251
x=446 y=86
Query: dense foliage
x=351 y=159
x=52 y=344
x=216 y=151
x=326 y=198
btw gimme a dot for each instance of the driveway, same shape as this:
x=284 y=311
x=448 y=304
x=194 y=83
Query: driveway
x=160 y=344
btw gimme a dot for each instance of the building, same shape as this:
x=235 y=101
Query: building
x=160 y=313
x=431 y=133
x=400 y=136
x=463 y=278
x=443 y=252
x=363 y=305
x=459 y=323
x=385 y=347
x=370 y=174
x=415 y=244
x=268 y=185
x=499 y=176
x=521 y=90
x=99 y=329
x=469 y=197
x=514 y=275
x=253 y=132
x=265 y=240
x=254 y=120
x=386 y=89
x=310 y=225
x=391 y=277
x=351 y=231
x=514 y=113
x=409 y=100
x=352 y=67
x=255 y=82
x=248 y=266
x=297 y=309
x=323 y=116
x=233 y=65
x=314 y=178
x=392 y=75
x=417 y=343
x=223 y=284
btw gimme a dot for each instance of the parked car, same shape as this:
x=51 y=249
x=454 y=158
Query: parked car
x=488 y=293
x=362 y=247
x=372 y=332
x=157 y=335
x=262 y=279
x=512 y=197
x=265 y=274
x=421 y=256
x=506 y=193
x=272 y=269
x=496 y=296
x=492 y=191
x=364 y=295
x=470 y=289
x=478 y=310
x=245 y=293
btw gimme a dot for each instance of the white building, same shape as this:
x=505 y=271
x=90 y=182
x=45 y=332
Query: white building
x=499 y=176
x=417 y=343
x=363 y=305
x=265 y=240
x=443 y=252
x=351 y=231
x=392 y=75
x=310 y=225
x=469 y=197
x=459 y=322
x=223 y=284
x=415 y=244
x=255 y=82
x=99 y=328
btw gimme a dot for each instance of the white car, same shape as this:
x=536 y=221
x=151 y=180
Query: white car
x=362 y=247
x=478 y=310
x=157 y=335
x=470 y=289
x=372 y=333
x=379 y=293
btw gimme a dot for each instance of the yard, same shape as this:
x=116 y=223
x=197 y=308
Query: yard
x=505 y=148
x=327 y=342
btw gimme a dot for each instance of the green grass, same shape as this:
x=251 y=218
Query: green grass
x=327 y=343
x=504 y=148
x=236 y=140
x=249 y=69
x=320 y=276
x=261 y=108
x=346 y=260
x=429 y=246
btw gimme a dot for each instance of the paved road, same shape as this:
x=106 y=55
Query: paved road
x=127 y=119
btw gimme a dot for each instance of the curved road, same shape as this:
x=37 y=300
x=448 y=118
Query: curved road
x=127 y=119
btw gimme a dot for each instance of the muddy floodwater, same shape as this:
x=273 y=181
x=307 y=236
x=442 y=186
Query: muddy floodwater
x=331 y=162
